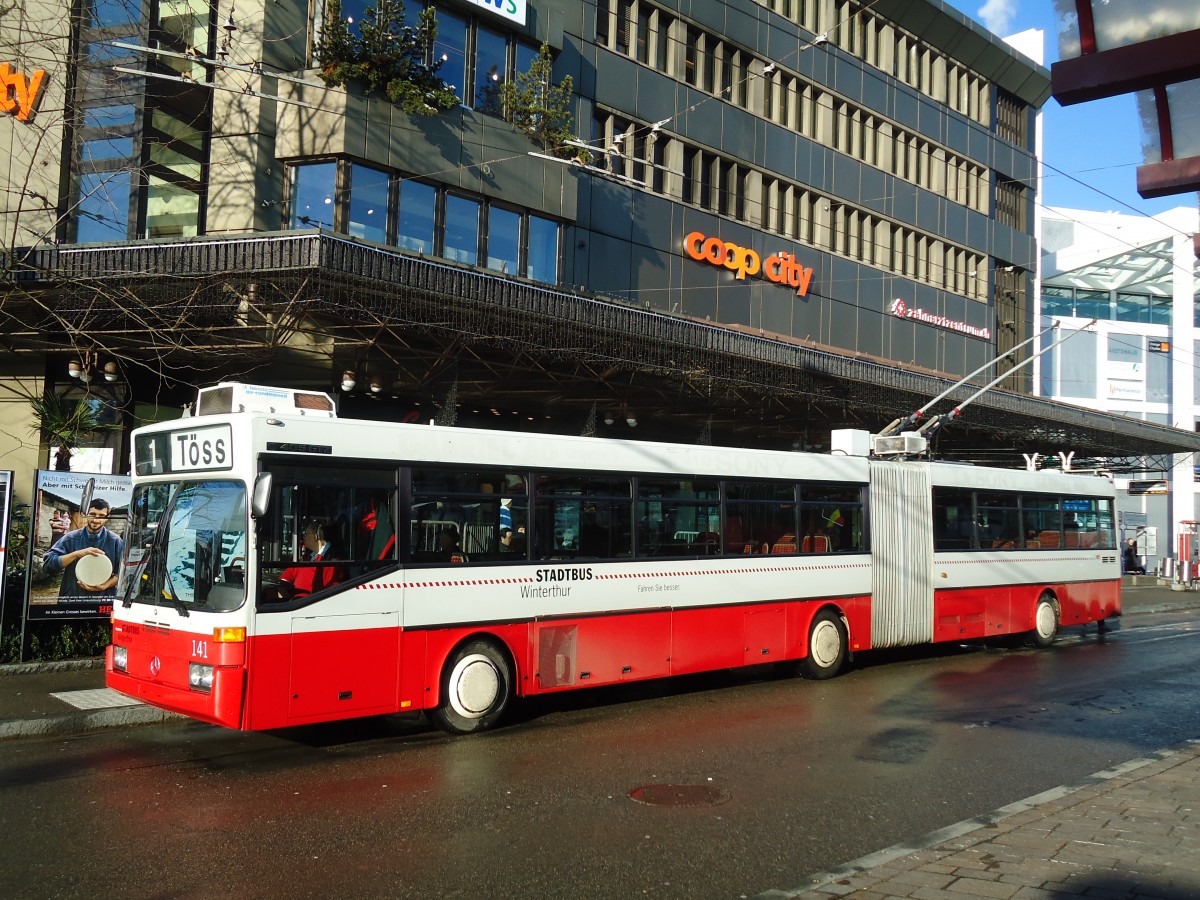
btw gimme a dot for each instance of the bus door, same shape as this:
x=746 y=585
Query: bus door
x=901 y=510
x=330 y=531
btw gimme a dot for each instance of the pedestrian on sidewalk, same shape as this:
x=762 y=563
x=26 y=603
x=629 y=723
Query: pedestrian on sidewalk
x=1133 y=564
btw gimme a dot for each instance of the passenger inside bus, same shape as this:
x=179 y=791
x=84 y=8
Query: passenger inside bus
x=300 y=581
x=449 y=547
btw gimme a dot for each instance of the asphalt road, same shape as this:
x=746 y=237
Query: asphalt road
x=721 y=786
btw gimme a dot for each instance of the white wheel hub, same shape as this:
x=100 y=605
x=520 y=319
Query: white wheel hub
x=474 y=686
x=825 y=644
x=1045 y=620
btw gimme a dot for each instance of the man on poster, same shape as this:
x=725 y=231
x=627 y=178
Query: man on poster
x=78 y=555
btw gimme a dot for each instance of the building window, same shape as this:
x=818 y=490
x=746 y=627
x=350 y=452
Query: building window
x=415 y=218
x=1010 y=203
x=368 y=204
x=526 y=55
x=542 y=256
x=1057 y=301
x=1012 y=119
x=1092 y=304
x=353 y=12
x=311 y=203
x=461 y=232
x=107 y=138
x=172 y=210
x=503 y=240
x=102 y=207
x=422 y=218
x=451 y=48
x=491 y=49
x=174 y=175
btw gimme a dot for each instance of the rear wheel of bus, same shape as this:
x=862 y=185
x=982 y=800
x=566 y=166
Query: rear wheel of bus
x=476 y=688
x=827 y=645
x=1045 y=623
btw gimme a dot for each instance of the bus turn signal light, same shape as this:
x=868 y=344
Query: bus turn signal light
x=229 y=635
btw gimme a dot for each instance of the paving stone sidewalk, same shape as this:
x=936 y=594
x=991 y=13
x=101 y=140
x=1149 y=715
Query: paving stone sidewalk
x=1132 y=831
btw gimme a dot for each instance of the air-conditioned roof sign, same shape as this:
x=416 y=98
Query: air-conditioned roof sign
x=513 y=10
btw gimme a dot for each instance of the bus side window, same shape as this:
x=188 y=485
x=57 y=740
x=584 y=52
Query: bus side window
x=351 y=507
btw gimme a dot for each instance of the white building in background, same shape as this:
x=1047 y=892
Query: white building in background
x=1137 y=277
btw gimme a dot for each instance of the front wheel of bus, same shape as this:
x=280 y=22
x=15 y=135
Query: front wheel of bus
x=826 y=646
x=476 y=687
x=1045 y=623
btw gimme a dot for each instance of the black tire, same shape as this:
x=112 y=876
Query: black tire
x=476 y=688
x=1045 y=623
x=827 y=646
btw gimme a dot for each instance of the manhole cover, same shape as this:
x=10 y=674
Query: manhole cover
x=679 y=795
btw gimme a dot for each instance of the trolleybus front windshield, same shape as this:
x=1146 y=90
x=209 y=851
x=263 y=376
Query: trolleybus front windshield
x=187 y=545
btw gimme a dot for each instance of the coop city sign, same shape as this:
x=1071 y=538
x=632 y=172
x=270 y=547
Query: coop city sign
x=782 y=268
x=19 y=94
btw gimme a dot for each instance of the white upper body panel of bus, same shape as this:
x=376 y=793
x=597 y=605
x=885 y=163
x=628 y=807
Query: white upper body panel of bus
x=304 y=425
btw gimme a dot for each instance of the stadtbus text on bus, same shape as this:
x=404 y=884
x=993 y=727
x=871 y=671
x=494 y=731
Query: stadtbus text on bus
x=284 y=566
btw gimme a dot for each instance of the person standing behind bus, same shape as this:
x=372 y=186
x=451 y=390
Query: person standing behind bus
x=1133 y=565
x=300 y=581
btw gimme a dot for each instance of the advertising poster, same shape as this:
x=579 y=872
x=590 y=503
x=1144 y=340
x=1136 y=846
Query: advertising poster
x=77 y=534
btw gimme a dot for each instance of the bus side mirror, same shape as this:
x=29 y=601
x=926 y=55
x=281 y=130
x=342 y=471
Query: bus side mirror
x=261 y=496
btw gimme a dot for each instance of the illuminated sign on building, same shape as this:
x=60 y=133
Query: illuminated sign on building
x=20 y=94
x=904 y=311
x=513 y=10
x=781 y=268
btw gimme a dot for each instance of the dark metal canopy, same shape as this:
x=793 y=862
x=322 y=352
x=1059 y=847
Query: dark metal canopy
x=474 y=348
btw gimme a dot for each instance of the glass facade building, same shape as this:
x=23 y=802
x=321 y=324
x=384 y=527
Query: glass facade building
x=1125 y=291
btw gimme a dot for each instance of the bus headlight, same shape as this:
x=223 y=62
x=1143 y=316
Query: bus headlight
x=121 y=658
x=200 y=677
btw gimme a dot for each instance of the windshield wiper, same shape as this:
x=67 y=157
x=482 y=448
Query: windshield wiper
x=173 y=595
x=156 y=561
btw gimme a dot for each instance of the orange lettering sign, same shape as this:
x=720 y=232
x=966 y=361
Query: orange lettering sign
x=19 y=94
x=781 y=268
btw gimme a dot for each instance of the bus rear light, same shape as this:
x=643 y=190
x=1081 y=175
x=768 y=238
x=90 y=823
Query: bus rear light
x=200 y=677
x=120 y=658
x=229 y=635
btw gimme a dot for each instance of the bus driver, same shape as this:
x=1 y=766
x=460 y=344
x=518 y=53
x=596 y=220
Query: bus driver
x=300 y=581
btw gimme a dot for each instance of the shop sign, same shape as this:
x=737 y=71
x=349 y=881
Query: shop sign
x=1154 y=345
x=513 y=10
x=902 y=310
x=781 y=268
x=20 y=94
x=1126 y=390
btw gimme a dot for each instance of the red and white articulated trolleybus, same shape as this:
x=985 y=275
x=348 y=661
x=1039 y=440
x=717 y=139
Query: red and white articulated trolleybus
x=286 y=567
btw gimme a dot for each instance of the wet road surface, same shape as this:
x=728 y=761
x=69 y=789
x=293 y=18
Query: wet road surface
x=720 y=786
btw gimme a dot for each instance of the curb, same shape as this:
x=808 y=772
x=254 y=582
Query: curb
x=81 y=723
x=61 y=665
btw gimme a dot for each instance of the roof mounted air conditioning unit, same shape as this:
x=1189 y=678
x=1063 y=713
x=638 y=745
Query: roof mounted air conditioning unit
x=909 y=443
x=233 y=397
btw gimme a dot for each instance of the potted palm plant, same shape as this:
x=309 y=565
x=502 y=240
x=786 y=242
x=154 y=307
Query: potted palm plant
x=65 y=423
